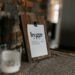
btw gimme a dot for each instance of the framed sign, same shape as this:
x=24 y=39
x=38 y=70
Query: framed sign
x=35 y=39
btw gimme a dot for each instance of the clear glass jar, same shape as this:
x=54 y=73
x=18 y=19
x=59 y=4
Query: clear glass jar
x=10 y=60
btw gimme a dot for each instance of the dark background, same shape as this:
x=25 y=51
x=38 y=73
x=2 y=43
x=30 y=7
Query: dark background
x=67 y=34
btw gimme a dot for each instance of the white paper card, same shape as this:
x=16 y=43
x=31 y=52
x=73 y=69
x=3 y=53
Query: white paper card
x=37 y=40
